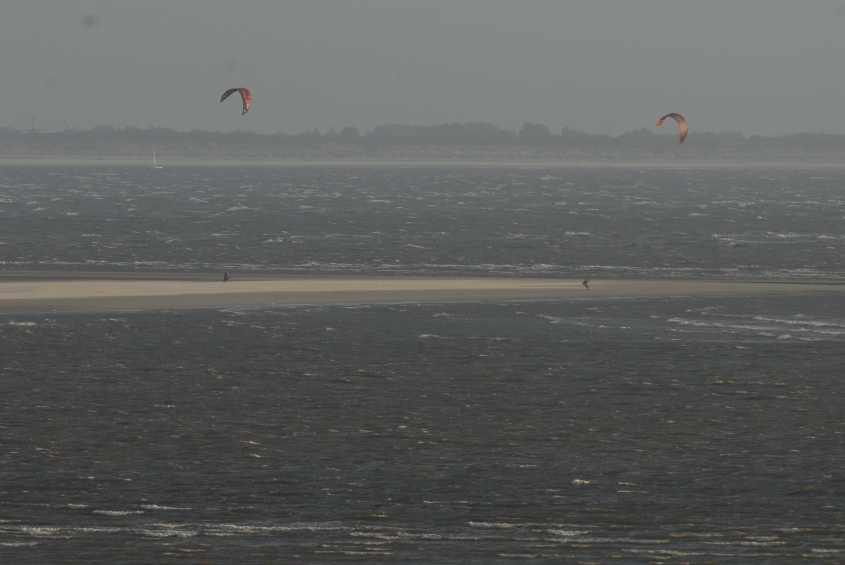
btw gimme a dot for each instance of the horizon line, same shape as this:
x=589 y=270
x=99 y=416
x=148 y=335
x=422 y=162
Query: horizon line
x=364 y=132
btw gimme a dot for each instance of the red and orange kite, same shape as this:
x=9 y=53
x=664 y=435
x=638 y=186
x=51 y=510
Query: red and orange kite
x=246 y=97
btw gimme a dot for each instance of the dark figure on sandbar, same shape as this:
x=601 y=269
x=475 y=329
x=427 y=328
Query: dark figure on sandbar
x=226 y=276
x=586 y=283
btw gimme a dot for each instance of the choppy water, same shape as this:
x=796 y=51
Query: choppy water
x=637 y=430
x=611 y=222
x=590 y=430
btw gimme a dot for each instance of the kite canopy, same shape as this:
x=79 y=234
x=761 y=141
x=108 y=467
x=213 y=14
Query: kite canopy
x=683 y=126
x=246 y=97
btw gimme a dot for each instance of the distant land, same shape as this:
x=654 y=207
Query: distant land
x=457 y=141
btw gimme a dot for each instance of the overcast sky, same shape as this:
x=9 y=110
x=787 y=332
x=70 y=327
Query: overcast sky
x=759 y=66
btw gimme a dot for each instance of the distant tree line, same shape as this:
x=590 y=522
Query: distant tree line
x=530 y=139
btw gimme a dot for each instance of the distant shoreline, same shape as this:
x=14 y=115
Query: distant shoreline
x=452 y=142
x=665 y=164
x=57 y=295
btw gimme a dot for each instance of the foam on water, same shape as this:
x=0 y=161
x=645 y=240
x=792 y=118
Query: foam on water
x=117 y=512
x=797 y=326
x=530 y=537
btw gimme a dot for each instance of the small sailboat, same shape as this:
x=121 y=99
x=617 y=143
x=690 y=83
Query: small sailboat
x=155 y=162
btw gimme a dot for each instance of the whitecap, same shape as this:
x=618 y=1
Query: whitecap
x=165 y=508
x=41 y=531
x=117 y=512
x=18 y=543
x=567 y=533
x=492 y=525
x=431 y=336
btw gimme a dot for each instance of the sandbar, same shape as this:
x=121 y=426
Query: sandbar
x=124 y=293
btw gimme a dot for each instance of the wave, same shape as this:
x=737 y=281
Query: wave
x=500 y=269
x=767 y=326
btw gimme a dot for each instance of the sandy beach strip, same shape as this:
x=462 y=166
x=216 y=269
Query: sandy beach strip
x=126 y=294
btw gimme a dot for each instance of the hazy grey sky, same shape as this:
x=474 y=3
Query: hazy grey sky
x=760 y=66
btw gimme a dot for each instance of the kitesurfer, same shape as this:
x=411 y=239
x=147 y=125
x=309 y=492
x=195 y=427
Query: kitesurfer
x=246 y=97
x=683 y=125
